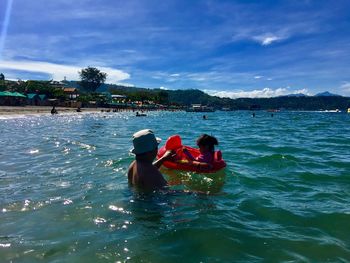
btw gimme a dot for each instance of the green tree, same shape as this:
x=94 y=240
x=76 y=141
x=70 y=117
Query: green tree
x=58 y=94
x=40 y=87
x=91 y=78
x=162 y=97
x=2 y=82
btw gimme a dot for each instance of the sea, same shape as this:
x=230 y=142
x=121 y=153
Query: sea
x=283 y=197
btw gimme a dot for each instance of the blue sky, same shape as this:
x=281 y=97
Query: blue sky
x=226 y=48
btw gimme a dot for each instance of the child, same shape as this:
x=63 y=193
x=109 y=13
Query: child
x=206 y=147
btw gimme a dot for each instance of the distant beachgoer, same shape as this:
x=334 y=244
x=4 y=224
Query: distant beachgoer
x=140 y=115
x=78 y=109
x=206 y=144
x=205 y=117
x=142 y=172
x=271 y=114
x=253 y=115
x=53 y=110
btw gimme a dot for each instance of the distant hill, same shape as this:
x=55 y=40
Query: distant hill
x=295 y=95
x=107 y=87
x=186 y=97
x=295 y=103
x=327 y=94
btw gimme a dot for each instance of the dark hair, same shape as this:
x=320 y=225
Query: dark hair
x=207 y=140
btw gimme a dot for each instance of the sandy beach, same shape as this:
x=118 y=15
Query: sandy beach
x=28 y=110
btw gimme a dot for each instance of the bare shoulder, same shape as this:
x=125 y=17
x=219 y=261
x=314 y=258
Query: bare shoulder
x=131 y=172
x=132 y=164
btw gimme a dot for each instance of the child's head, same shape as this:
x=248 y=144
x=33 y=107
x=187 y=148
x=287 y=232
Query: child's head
x=206 y=143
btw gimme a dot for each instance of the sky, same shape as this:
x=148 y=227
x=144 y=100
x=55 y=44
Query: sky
x=225 y=48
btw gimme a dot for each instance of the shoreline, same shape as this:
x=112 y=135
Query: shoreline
x=29 y=110
x=35 y=110
x=21 y=111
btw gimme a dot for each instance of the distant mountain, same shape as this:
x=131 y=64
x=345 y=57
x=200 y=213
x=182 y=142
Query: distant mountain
x=327 y=94
x=104 y=86
x=71 y=83
x=186 y=97
x=295 y=95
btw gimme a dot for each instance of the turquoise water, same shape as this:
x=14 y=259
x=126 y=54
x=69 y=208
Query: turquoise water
x=284 y=196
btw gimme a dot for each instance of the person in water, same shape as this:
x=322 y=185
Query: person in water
x=143 y=172
x=206 y=144
x=53 y=110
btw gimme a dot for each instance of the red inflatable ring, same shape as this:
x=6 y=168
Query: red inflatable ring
x=181 y=161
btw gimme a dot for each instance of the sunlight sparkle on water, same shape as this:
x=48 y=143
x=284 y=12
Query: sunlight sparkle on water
x=5 y=245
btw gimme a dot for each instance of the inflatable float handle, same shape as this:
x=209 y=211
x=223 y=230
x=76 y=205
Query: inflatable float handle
x=218 y=155
x=174 y=142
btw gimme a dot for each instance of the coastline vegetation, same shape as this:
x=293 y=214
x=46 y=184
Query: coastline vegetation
x=92 y=91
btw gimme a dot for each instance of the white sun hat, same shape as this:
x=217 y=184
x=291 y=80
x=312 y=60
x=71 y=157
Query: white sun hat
x=144 y=141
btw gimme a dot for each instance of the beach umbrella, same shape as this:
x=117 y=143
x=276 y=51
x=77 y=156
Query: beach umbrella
x=42 y=96
x=11 y=94
x=5 y=94
x=31 y=96
x=17 y=94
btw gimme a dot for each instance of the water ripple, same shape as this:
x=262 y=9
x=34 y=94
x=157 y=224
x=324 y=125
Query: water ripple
x=283 y=197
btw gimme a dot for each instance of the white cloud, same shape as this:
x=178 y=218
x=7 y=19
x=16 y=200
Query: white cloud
x=263 y=93
x=267 y=39
x=58 y=71
x=258 y=77
x=345 y=87
x=124 y=84
x=175 y=75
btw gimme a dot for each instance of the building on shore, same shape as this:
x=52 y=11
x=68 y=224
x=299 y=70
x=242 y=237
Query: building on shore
x=34 y=99
x=8 y=98
x=72 y=93
x=200 y=108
